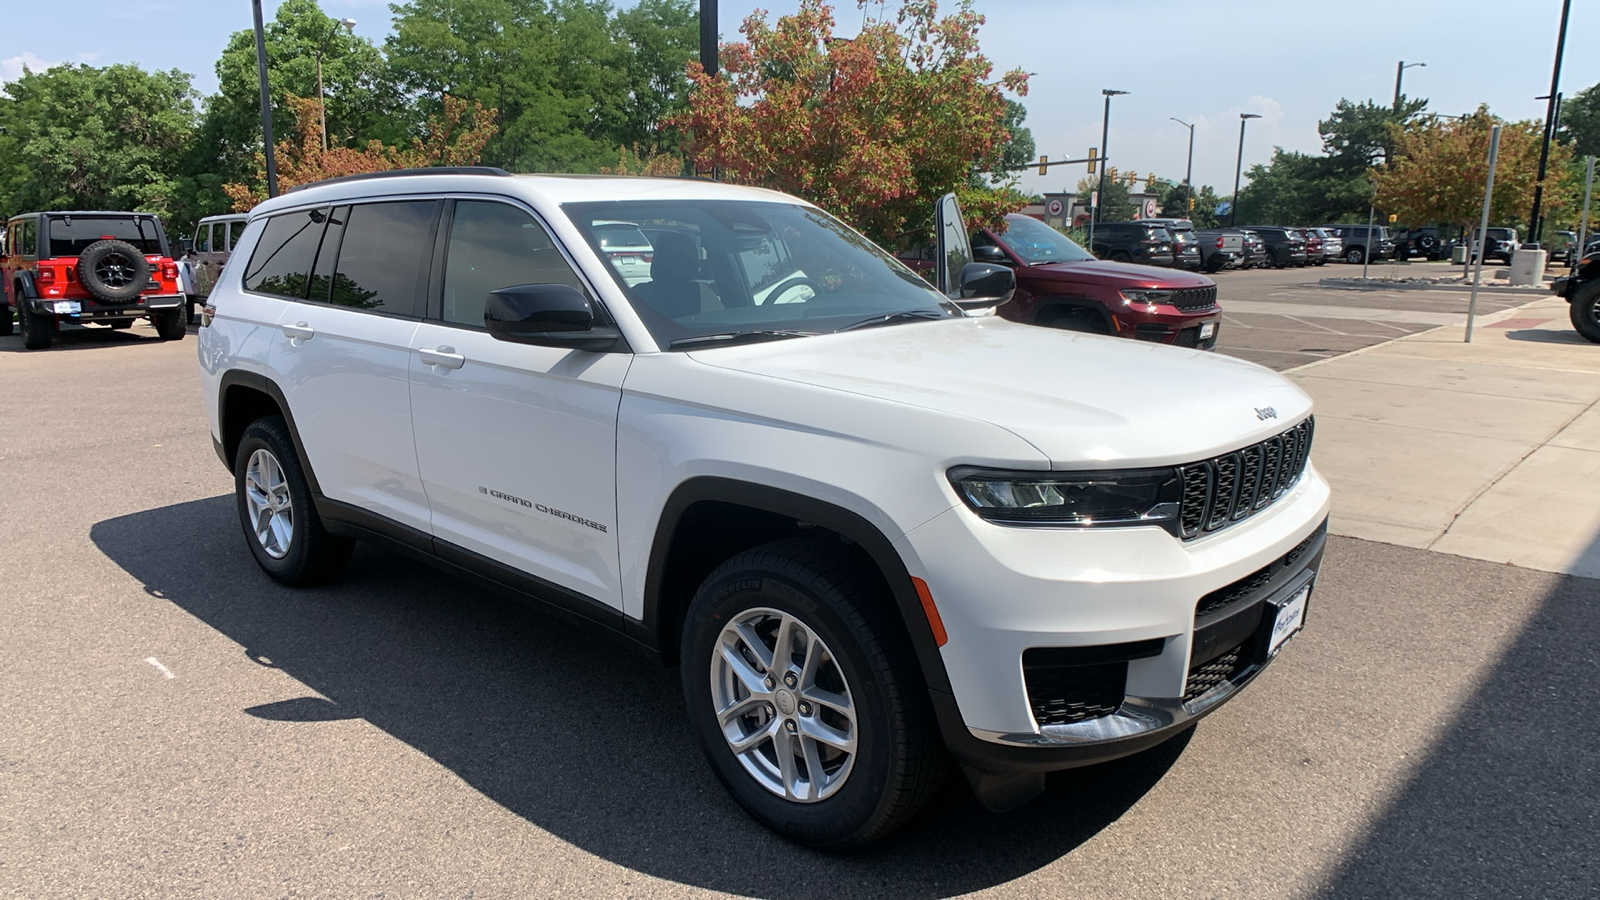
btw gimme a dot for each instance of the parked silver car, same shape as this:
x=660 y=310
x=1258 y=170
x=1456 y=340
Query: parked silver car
x=1332 y=244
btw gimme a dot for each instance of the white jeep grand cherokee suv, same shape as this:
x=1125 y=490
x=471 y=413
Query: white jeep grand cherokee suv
x=875 y=532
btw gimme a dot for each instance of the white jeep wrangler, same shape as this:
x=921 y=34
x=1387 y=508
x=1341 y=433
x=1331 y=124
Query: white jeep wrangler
x=875 y=529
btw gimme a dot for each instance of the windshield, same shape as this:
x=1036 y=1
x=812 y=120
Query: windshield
x=735 y=267
x=69 y=235
x=1036 y=243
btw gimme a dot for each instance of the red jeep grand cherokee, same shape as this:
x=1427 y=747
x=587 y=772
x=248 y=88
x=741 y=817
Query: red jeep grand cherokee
x=106 y=267
x=1062 y=285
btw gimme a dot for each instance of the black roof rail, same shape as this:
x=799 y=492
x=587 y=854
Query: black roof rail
x=399 y=173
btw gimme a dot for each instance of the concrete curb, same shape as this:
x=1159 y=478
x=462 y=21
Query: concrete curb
x=1356 y=284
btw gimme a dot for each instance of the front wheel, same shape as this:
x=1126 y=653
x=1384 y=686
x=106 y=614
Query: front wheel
x=806 y=695
x=280 y=522
x=1585 y=311
x=1354 y=256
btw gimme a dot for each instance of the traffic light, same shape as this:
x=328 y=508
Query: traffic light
x=1191 y=203
x=1132 y=177
x=1111 y=173
x=1044 y=165
x=1091 y=160
x=1150 y=181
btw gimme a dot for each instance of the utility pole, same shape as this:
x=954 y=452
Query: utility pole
x=266 y=102
x=1399 y=70
x=1238 y=169
x=1549 y=123
x=322 y=103
x=1105 y=151
x=708 y=36
x=1188 y=171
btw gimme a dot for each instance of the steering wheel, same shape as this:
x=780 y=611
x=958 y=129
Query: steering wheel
x=785 y=287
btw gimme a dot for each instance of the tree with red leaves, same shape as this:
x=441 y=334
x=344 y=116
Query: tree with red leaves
x=872 y=128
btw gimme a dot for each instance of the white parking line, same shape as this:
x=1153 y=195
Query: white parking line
x=159 y=667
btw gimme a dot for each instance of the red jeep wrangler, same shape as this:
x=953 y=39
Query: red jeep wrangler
x=105 y=267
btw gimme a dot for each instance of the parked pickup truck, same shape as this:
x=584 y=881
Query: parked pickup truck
x=1220 y=248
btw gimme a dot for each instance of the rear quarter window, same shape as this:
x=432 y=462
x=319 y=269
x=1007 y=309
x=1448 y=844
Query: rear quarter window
x=283 y=257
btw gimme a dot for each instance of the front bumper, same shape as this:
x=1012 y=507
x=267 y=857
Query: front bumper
x=1126 y=597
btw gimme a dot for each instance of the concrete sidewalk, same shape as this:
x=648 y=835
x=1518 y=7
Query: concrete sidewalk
x=1488 y=450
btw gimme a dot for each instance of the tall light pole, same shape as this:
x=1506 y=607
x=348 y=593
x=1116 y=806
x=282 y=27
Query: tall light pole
x=1399 y=70
x=349 y=25
x=1238 y=169
x=1105 y=153
x=1549 y=122
x=708 y=36
x=1188 y=171
x=266 y=102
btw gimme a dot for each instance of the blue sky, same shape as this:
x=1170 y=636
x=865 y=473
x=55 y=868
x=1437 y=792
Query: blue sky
x=1204 y=62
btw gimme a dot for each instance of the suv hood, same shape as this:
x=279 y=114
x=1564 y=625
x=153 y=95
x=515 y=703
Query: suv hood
x=1083 y=400
x=1113 y=275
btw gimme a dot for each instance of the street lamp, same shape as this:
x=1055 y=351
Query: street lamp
x=1238 y=168
x=1188 y=186
x=1399 y=70
x=1549 y=121
x=349 y=25
x=1105 y=153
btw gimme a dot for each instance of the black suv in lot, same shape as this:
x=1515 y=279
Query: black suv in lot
x=1285 y=246
x=1424 y=242
x=1137 y=242
x=1582 y=292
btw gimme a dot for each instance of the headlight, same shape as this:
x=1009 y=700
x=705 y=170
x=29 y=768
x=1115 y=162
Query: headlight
x=1151 y=297
x=1114 y=497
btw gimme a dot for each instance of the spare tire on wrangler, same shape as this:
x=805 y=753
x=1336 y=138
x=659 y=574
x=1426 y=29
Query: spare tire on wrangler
x=114 y=271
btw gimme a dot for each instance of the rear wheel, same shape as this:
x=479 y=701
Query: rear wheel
x=1585 y=311
x=38 y=329
x=171 y=324
x=806 y=694
x=280 y=522
x=1120 y=256
x=1354 y=256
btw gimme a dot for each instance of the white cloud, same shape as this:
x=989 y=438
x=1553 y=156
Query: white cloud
x=11 y=69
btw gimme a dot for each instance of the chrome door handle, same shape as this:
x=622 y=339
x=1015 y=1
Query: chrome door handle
x=446 y=357
x=299 y=331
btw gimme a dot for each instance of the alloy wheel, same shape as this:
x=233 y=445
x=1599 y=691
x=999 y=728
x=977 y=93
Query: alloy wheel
x=784 y=705
x=266 y=492
x=114 y=270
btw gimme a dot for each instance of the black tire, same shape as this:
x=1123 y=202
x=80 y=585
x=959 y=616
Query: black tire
x=311 y=555
x=899 y=761
x=1355 y=256
x=1072 y=318
x=1427 y=243
x=38 y=329
x=171 y=324
x=6 y=322
x=1120 y=256
x=1585 y=311
x=114 y=271
x=1214 y=264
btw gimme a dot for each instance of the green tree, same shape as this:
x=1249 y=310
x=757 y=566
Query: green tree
x=81 y=137
x=362 y=103
x=1114 y=203
x=1580 y=121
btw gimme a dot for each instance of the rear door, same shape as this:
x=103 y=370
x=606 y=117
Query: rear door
x=342 y=352
x=516 y=443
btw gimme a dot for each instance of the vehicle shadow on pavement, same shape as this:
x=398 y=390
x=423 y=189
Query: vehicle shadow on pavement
x=94 y=338
x=572 y=732
x=1506 y=804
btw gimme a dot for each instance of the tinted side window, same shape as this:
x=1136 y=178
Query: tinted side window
x=202 y=239
x=493 y=245
x=383 y=257
x=235 y=229
x=281 y=263
x=29 y=242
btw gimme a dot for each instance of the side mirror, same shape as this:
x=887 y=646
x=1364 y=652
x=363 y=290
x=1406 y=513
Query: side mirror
x=548 y=315
x=989 y=253
x=952 y=243
x=985 y=285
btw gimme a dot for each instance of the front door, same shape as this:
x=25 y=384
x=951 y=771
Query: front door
x=516 y=443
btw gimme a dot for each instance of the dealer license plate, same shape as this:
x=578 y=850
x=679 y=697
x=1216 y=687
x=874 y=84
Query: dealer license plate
x=72 y=307
x=1291 y=618
x=1207 y=329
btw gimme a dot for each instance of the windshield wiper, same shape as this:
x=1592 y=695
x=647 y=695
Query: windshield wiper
x=902 y=316
x=729 y=338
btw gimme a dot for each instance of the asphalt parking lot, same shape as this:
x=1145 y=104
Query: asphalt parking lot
x=177 y=725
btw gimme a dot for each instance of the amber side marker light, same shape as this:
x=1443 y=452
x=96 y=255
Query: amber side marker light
x=940 y=637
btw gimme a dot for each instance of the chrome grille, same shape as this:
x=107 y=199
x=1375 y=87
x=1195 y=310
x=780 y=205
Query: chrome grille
x=1236 y=485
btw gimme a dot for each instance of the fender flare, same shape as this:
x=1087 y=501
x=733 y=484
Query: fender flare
x=258 y=382
x=656 y=626
x=1050 y=302
x=25 y=287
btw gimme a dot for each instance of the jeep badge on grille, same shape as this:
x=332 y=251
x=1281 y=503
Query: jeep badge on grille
x=1266 y=412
